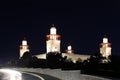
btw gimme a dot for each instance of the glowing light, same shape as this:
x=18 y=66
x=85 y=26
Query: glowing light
x=53 y=30
x=54 y=49
x=53 y=46
x=7 y=74
x=105 y=40
x=24 y=42
x=69 y=47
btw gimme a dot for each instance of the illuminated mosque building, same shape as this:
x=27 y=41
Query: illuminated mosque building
x=105 y=48
x=24 y=48
x=53 y=41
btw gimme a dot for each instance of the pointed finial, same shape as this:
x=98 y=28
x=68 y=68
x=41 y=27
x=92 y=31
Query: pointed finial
x=105 y=36
x=24 y=38
x=69 y=44
x=53 y=25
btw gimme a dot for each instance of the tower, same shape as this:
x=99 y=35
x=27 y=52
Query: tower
x=24 y=47
x=105 y=47
x=53 y=41
x=69 y=49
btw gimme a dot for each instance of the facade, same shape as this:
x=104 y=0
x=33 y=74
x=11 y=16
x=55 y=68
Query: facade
x=105 y=48
x=74 y=57
x=53 y=41
x=53 y=45
x=24 y=48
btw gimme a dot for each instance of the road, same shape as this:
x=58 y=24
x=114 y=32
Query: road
x=45 y=74
x=37 y=76
x=56 y=74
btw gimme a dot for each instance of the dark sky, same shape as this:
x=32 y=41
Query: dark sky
x=83 y=24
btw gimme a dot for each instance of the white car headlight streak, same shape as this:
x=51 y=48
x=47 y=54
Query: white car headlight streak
x=8 y=74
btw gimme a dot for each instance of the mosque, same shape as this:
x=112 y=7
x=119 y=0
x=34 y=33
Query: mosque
x=53 y=41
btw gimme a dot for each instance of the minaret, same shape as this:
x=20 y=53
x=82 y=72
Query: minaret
x=53 y=40
x=69 y=49
x=105 y=47
x=24 y=47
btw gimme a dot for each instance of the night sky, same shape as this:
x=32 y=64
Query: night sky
x=82 y=24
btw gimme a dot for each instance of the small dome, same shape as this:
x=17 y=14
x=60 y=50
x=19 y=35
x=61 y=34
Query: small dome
x=69 y=47
x=24 y=42
x=53 y=30
x=105 y=39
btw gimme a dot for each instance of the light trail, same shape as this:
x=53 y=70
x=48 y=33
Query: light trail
x=8 y=74
x=34 y=75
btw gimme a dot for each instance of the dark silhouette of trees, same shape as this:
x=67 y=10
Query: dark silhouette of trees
x=99 y=65
x=54 y=60
x=25 y=59
x=115 y=64
x=31 y=61
x=37 y=63
x=79 y=64
x=93 y=64
x=68 y=65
